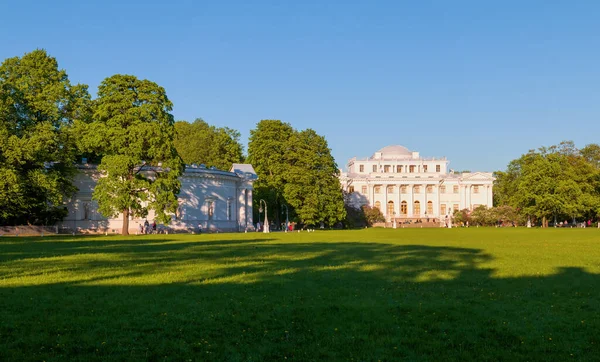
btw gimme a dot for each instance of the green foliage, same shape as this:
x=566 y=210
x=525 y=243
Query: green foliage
x=355 y=217
x=506 y=215
x=134 y=131
x=200 y=143
x=555 y=181
x=296 y=168
x=38 y=105
x=267 y=150
x=312 y=187
x=372 y=215
x=461 y=216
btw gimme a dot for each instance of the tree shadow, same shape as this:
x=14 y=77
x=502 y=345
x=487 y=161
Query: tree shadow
x=271 y=300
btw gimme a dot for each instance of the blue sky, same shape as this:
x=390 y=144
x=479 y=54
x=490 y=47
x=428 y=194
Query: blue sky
x=479 y=82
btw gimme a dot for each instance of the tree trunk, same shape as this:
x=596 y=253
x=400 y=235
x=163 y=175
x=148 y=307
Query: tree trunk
x=125 y=230
x=544 y=222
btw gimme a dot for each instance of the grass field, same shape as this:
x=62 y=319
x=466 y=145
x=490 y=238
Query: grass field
x=364 y=295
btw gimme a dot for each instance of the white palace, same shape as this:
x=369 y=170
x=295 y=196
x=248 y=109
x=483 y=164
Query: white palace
x=405 y=186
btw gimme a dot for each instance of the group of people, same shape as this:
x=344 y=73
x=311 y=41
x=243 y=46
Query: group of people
x=146 y=228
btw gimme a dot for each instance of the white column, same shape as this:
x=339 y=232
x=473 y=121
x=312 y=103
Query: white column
x=241 y=209
x=461 y=193
x=372 y=195
x=410 y=200
x=490 y=198
x=397 y=207
x=468 y=197
x=249 y=211
x=387 y=217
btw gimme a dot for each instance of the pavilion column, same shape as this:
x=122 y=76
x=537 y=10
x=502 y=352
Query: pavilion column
x=249 y=211
x=490 y=196
x=241 y=208
x=461 y=203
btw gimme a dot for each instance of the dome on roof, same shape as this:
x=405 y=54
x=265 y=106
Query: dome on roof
x=395 y=150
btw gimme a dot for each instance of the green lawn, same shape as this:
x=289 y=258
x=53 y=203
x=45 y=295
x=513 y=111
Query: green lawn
x=365 y=295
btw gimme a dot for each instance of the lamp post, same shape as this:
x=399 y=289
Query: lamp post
x=286 y=217
x=266 y=227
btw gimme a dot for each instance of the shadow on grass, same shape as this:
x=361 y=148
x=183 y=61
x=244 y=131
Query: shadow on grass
x=269 y=300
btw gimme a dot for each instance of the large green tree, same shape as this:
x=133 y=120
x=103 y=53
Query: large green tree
x=557 y=181
x=201 y=143
x=267 y=148
x=38 y=105
x=312 y=184
x=295 y=168
x=133 y=130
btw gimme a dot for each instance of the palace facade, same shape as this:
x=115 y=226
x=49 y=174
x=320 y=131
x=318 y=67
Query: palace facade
x=406 y=186
x=214 y=199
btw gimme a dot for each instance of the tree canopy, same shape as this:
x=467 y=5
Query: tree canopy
x=201 y=143
x=38 y=105
x=558 y=181
x=296 y=168
x=134 y=132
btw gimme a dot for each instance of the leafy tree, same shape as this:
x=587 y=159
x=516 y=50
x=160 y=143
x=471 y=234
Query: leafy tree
x=267 y=149
x=200 y=143
x=591 y=153
x=312 y=180
x=296 y=168
x=134 y=131
x=557 y=181
x=372 y=215
x=38 y=105
x=461 y=216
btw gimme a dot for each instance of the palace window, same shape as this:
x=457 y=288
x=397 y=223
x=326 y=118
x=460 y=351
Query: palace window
x=386 y=168
x=438 y=168
x=350 y=189
x=411 y=169
x=455 y=207
x=390 y=209
x=403 y=189
x=442 y=189
x=374 y=168
x=361 y=168
x=417 y=208
x=443 y=209
x=211 y=209
x=390 y=189
x=363 y=190
x=475 y=189
x=378 y=205
x=377 y=189
x=417 y=189
x=86 y=211
x=429 y=189
x=403 y=208
x=424 y=168
x=429 y=208
x=399 y=169
x=455 y=189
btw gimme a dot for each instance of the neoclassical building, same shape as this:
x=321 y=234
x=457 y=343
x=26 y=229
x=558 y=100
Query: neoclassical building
x=404 y=185
x=215 y=199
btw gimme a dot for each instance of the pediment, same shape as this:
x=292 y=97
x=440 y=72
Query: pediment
x=478 y=176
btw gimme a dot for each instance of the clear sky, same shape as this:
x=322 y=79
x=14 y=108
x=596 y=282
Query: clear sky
x=479 y=82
